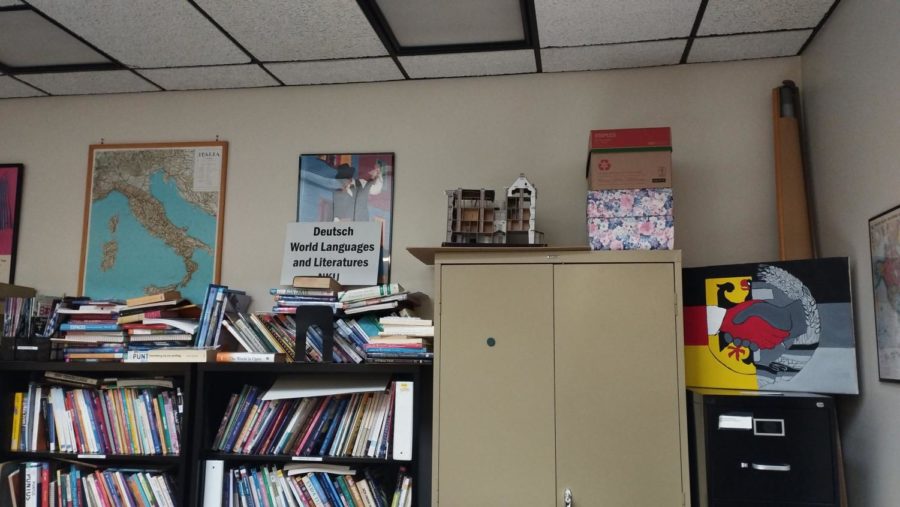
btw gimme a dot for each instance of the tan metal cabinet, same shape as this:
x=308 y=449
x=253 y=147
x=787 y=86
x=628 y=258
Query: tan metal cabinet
x=559 y=372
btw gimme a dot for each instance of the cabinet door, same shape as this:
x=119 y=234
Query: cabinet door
x=618 y=432
x=496 y=424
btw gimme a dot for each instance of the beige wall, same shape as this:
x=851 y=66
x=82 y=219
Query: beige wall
x=445 y=133
x=851 y=74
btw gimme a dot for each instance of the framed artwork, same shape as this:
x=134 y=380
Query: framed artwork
x=884 y=244
x=349 y=187
x=153 y=219
x=10 y=203
x=778 y=326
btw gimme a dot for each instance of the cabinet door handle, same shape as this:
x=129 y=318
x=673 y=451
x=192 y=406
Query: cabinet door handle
x=771 y=468
x=567 y=497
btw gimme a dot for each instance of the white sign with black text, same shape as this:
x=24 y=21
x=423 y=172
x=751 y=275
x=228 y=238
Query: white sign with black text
x=345 y=251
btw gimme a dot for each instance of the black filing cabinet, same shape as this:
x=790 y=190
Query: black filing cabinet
x=759 y=449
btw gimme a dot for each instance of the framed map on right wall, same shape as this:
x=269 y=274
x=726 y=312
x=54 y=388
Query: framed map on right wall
x=884 y=241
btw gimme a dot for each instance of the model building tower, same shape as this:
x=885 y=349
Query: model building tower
x=521 y=204
x=472 y=217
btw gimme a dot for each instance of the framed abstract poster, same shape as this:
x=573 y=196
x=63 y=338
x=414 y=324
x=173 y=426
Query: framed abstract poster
x=884 y=242
x=10 y=203
x=349 y=187
x=153 y=219
x=777 y=326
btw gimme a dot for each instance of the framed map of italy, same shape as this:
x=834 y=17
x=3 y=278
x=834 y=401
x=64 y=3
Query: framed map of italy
x=153 y=219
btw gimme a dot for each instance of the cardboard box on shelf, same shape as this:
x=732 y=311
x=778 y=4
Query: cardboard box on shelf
x=631 y=219
x=630 y=158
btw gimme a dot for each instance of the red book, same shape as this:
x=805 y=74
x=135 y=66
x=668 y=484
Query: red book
x=286 y=408
x=138 y=325
x=101 y=424
x=76 y=423
x=45 y=484
x=312 y=425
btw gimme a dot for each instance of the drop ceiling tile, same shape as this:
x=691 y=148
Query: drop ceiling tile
x=738 y=16
x=417 y=23
x=10 y=88
x=27 y=39
x=745 y=47
x=207 y=78
x=336 y=71
x=613 y=56
x=589 y=22
x=470 y=64
x=290 y=30
x=162 y=33
x=89 y=83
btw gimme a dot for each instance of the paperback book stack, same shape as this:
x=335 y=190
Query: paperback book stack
x=377 y=298
x=60 y=484
x=90 y=332
x=366 y=424
x=115 y=416
x=300 y=485
x=157 y=321
x=307 y=291
x=402 y=339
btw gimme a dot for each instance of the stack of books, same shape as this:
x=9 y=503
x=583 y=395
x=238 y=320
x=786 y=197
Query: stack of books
x=377 y=298
x=90 y=331
x=101 y=418
x=402 y=339
x=302 y=485
x=33 y=483
x=365 y=424
x=307 y=291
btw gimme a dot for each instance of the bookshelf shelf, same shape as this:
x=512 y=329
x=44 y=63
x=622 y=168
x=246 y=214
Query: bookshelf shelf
x=280 y=458
x=162 y=369
x=216 y=382
x=94 y=458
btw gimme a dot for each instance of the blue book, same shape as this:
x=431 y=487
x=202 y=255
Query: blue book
x=154 y=433
x=332 y=428
x=320 y=489
x=75 y=480
x=208 y=303
x=239 y=421
x=111 y=486
x=96 y=326
x=332 y=492
x=319 y=427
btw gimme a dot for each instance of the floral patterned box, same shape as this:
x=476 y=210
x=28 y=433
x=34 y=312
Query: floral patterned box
x=630 y=219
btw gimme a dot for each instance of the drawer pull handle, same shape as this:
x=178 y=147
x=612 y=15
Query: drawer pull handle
x=771 y=468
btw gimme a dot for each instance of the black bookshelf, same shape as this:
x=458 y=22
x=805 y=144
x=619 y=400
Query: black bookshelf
x=15 y=376
x=216 y=382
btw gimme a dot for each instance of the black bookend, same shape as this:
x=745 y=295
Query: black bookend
x=321 y=317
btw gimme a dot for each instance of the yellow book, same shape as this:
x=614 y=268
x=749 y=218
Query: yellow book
x=17 y=421
x=132 y=421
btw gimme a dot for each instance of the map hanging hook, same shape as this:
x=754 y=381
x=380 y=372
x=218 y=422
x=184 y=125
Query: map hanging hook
x=217 y=137
x=102 y=141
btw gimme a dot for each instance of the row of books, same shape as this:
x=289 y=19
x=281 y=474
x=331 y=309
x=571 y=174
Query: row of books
x=369 y=424
x=58 y=484
x=28 y=316
x=305 y=486
x=120 y=420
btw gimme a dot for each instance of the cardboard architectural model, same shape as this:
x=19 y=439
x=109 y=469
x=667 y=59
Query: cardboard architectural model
x=473 y=218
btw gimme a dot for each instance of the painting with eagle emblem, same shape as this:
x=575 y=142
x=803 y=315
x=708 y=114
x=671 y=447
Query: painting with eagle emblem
x=777 y=326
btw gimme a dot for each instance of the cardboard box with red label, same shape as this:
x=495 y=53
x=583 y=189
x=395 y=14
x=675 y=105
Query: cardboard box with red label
x=630 y=158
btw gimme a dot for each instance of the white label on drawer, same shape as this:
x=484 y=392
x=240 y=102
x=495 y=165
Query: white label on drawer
x=735 y=422
x=26 y=347
x=305 y=458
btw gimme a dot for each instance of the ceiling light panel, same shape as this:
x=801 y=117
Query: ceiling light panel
x=291 y=30
x=613 y=56
x=470 y=64
x=208 y=78
x=10 y=88
x=589 y=22
x=745 y=47
x=88 y=83
x=739 y=16
x=29 y=40
x=336 y=71
x=161 y=33
x=417 y=23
